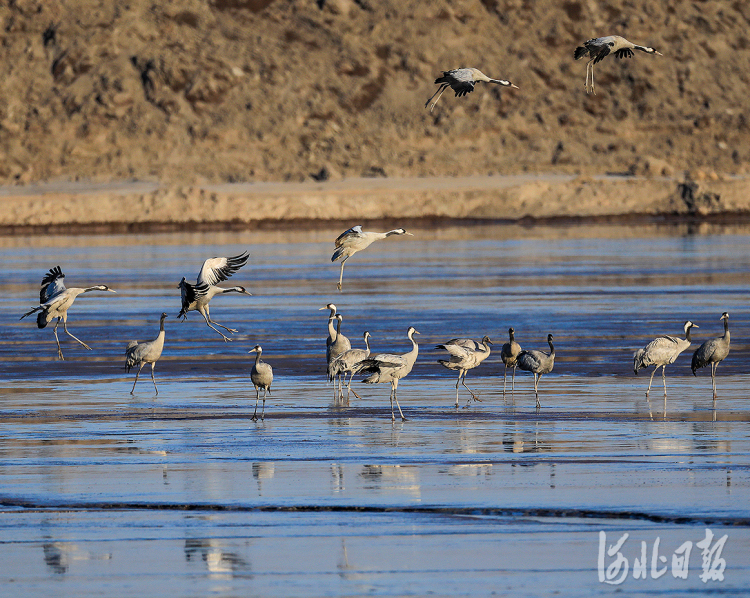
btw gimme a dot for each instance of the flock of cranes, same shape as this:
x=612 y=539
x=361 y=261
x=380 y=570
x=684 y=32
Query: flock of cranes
x=463 y=80
x=465 y=354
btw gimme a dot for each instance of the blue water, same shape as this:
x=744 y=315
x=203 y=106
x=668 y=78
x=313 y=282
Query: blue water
x=104 y=493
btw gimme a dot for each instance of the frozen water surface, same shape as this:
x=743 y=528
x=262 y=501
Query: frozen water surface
x=104 y=493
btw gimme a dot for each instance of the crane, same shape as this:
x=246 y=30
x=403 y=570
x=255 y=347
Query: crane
x=262 y=377
x=466 y=354
x=537 y=362
x=387 y=367
x=462 y=81
x=344 y=362
x=353 y=240
x=509 y=354
x=660 y=352
x=197 y=297
x=139 y=354
x=601 y=47
x=713 y=351
x=336 y=343
x=54 y=301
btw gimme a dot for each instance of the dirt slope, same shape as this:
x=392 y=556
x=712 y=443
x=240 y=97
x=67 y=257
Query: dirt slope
x=198 y=91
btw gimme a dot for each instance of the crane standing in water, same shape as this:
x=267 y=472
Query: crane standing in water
x=713 y=351
x=537 y=362
x=139 y=354
x=660 y=352
x=466 y=354
x=509 y=354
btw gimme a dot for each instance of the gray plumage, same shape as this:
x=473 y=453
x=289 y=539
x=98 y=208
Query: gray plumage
x=54 y=301
x=600 y=47
x=713 y=351
x=388 y=367
x=466 y=354
x=537 y=362
x=509 y=354
x=196 y=297
x=353 y=240
x=262 y=377
x=660 y=352
x=336 y=343
x=139 y=354
x=343 y=364
x=462 y=81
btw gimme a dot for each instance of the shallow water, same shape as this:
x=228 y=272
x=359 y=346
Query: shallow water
x=104 y=493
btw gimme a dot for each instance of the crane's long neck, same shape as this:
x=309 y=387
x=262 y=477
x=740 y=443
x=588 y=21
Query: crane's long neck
x=512 y=336
x=332 y=334
x=414 y=345
x=367 y=343
x=687 y=334
x=161 y=326
x=257 y=357
x=391 y=232
x=551 y=348
x=726 y=328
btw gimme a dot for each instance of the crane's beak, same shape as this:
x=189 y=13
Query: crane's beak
x=410 y=234
x=514 y=86
x=111 y=290
x=658 y=53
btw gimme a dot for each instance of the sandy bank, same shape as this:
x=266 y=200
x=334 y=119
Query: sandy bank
x=511 y=198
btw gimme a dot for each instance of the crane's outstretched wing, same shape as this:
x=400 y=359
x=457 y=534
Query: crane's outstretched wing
x=216 y=269
x=53 y=284
x=624 y=53
x=353 y=232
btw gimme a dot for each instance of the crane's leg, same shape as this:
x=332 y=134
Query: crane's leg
x=208 y=323
x=505 y=376
x=153 y=363
x=664 y=379
x=513 y=383
x=393 y=417
x=441 y=89
x=257 y=397
x=457 y=383
x=138 y=373
x=714 y=365
x=651 y=380
x=473 y=396
x=208 y=313
x=341 y=274
x=59 y=350
x=536 y=389
x=427 y=103
x=263 y=411
x=403 y=419
x=349 y=386
x=65 y=327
